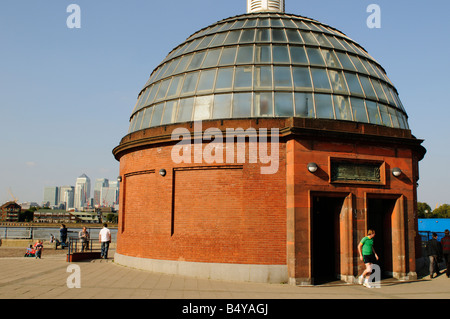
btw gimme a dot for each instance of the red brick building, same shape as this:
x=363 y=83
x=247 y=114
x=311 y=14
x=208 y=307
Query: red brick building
x=327 y=155
x=9 y=212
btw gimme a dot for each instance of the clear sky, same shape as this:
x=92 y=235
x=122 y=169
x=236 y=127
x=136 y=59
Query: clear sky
x=66 y=94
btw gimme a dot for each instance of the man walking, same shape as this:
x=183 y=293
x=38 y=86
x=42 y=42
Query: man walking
x=434 y=250
x=445 y=242
x=104 y=237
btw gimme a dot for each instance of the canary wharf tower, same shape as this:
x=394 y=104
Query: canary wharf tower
x=346 y=158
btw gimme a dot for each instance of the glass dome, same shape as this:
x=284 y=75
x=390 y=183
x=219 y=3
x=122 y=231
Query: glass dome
x=268 y=65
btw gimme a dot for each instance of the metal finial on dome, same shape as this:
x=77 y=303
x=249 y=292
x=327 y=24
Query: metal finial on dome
x=265 y=5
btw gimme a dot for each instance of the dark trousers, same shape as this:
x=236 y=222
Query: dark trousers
x=105 y=248
x=447 y=263
x=434 y=266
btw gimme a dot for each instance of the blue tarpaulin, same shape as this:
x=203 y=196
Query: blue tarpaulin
x=434 y=224
x=427 y=226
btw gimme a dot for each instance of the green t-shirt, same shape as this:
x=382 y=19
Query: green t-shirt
x=367 y=246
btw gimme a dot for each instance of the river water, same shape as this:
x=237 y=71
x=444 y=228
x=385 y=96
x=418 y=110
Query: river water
x=44 y=233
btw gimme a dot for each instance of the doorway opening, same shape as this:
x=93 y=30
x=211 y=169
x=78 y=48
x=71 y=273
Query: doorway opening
x=325 y=259
x=379 y=218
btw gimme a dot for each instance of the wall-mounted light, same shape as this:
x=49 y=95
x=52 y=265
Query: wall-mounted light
x=119 y=179
x=396 y=171
x=312 y=167
x=162 y=172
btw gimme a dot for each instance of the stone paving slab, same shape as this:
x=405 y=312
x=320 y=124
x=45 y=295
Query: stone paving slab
x=46 y=278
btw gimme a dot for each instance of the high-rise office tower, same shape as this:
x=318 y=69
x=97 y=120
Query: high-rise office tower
x=110 y=194
x=99 y=184
x=66 y=196
x=51 y=195
x=82 y=192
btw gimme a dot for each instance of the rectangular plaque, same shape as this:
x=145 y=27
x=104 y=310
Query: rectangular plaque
x=355 y=172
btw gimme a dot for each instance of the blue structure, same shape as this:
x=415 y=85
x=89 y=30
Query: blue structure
x=427 y=226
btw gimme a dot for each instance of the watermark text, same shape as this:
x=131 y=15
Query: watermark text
x=74 y=19
x=374 y=19
x=230 y=150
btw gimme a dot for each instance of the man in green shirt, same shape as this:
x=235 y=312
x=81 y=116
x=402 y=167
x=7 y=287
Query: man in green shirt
x=368 y=255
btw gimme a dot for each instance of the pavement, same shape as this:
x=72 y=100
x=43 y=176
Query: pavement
x=53 y=278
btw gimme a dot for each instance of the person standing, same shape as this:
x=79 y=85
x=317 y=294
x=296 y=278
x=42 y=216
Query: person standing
x=368 y=255
x=434 y=250
x=84 y=239
x=38 y=248
x=63 y=233
x=445 y=242
x=104 y=237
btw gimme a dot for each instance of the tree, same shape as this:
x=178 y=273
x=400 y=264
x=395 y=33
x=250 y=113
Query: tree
x=111 y=218
x=442 y=211
x=424 y=210
x=27 y=215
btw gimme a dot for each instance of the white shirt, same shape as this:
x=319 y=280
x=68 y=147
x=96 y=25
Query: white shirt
x=105 y=235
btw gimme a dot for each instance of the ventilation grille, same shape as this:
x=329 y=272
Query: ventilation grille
x=265 y=5
x=255 y=5
x=275 y=5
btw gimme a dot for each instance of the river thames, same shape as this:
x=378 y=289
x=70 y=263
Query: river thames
x=45 y=232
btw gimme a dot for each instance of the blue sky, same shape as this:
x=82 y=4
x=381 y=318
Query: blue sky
x=66 y=94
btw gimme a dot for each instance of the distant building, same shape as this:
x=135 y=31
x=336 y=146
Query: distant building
x=86 y=217
x=110 y=195
x=82 y=192
x=9 y=212
x=99 y=184
x=51 y=195
x=28 y=205
x=53 y=216
x=66 y=197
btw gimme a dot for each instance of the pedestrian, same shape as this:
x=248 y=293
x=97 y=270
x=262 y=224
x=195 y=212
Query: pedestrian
x=445 y=242
x=63 y=234
x=30 y=252
x=104 y=237
x=434 y=251
x=83 y=235
x=368 y=255
x=38 y=247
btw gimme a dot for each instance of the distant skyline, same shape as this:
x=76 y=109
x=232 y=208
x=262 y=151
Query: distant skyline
x=66 y=94
x=100 y=192
x=91 y=190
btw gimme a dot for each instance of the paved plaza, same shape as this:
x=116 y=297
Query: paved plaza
x=50 y=278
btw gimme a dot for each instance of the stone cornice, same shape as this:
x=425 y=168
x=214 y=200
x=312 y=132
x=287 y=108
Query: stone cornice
x=329 y=130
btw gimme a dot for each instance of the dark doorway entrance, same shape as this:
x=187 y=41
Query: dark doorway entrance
x=379 y=218
x=326 y=238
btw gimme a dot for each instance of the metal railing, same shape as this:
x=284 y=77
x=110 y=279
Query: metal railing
x=75 y=245
x=16 y=233
x=427 y=235
x=46 y=233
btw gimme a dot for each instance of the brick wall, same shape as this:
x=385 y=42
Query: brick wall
x=223 y=213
